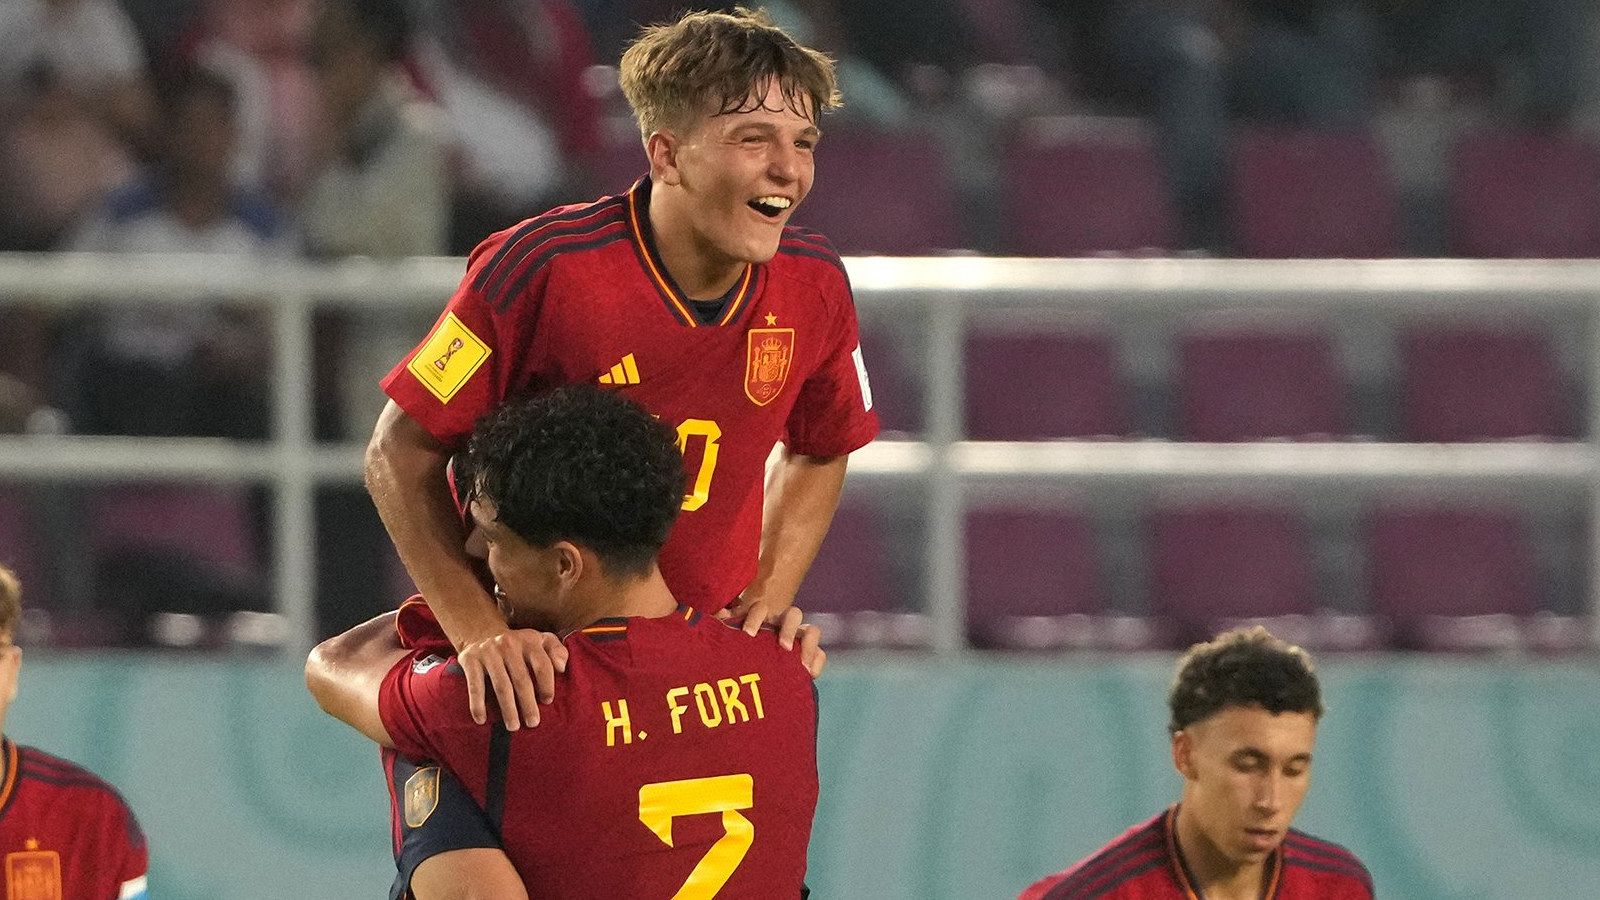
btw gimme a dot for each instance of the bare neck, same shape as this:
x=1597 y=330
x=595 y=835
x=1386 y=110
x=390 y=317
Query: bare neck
x=1216 y=877
x=606 y=598
x=698 y=269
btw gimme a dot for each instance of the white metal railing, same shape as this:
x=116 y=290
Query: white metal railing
x=947 y=294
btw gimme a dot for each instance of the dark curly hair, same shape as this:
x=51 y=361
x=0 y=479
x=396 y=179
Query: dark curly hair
x=583 y=465
x=1242 y=667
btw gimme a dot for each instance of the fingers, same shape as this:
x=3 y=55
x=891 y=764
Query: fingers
x=472 y=670
x=520 y=667
x=812 y=656
x=789 y=625
x=755 y=616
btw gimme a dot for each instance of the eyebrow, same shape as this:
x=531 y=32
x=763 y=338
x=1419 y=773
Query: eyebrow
x=808 y=131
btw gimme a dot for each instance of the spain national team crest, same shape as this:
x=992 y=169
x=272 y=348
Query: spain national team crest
x=770 y=350
x=422 y=795
x=33 y=874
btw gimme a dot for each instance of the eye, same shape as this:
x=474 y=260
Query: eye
x=806 y=145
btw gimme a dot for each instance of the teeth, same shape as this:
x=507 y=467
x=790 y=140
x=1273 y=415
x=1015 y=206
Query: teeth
x=775 y=202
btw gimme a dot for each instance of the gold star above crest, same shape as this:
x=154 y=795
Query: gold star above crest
x=32 y=843
x=772 y=319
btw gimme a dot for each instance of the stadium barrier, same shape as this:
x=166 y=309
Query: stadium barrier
x=942 y=297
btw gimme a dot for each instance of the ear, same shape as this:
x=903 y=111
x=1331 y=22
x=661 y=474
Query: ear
x=569 y=564
x=1183 y=754
x=662 y=149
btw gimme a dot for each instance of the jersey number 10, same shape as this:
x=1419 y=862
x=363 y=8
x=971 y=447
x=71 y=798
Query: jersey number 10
x=705 y=428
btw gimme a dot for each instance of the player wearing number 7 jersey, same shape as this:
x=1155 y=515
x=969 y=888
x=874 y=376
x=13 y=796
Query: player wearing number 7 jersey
x=674 y=756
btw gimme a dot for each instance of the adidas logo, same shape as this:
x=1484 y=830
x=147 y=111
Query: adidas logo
x=625 y=372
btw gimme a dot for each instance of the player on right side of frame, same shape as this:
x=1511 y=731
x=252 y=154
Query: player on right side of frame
x=1245 y=708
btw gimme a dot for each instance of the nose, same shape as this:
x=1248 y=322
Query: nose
x=784 y=163
x=1268 y=795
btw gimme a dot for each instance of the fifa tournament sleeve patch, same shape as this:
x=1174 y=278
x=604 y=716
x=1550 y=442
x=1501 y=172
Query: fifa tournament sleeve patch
x=448 y=358
x=861 y=375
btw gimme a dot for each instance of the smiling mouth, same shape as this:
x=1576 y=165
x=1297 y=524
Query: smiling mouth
x=771 y=207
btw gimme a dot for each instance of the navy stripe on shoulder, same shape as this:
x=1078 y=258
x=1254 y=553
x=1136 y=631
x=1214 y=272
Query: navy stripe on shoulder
x=806 y=250
x=610 y=233
x=554 y=220
x=1074 y=889
x=542 y=244
x=1352 y=871
x=1115 y=856
x=1299 y=840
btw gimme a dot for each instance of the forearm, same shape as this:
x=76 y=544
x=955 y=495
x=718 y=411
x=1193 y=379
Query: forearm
x=345 y=674
x=405 y=473
x=802 y=495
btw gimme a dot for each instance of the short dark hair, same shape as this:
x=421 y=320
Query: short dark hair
x=1243 y=667
x=583 y=465
x=671 y=72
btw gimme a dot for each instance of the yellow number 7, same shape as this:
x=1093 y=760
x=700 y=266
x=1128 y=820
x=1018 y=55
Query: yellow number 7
x=664 y=801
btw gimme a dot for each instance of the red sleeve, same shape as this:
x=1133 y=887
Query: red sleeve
x=423 y=703
x=131 y=857
x=1040 y=888
x=458 y=373
x=833 y=414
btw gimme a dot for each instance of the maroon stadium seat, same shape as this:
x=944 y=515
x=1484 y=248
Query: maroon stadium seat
x=1217 y=566
x=1471 y=384
x=1034 y=583
x=209 y=526
x=897 y=398
x=1525 y=195
x=849 y=591
x=1253 y=385
x=1314 y=194
x=1041 y=386
x=18 y=546
x=1461 y=579
x=1081 y=194
x=884 y=193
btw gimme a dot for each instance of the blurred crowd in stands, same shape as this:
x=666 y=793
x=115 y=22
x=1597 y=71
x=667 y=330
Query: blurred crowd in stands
x=392 y=128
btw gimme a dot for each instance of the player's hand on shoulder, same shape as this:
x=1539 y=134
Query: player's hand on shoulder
x=789 y=622
x=521 y=666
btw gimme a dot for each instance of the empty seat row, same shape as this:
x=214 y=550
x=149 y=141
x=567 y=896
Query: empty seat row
x=1080 y=191
x=1438 y=578
x=1456 y=383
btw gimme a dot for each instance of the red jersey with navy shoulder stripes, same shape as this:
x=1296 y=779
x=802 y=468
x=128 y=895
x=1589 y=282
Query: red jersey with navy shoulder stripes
x=64 y=833
x=1145 y=863
x=677 y=759
x=579 y=294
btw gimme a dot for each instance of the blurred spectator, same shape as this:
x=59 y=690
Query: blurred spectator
x=382 y=190
x=178 y=370
x=1198 y=64
x=1528 y=53
x=60 y=162
x=510 y=76
x=92 y=45
x=18 y=403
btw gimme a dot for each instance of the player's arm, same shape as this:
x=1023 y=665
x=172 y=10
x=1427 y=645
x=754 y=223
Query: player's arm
x=801 y=496
x=345 y=674
x=480 y=873
x=405 y=473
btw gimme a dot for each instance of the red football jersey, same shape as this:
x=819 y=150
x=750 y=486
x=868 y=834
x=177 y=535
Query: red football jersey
x=66 y=833
x=1145 y=863
x=678 y=759
x=580 y=295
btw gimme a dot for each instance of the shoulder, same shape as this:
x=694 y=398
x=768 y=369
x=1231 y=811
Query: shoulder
x=1134 y=853
x=807 y=256
x=34 y=766
x=1324 y=858
x=504 y=262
